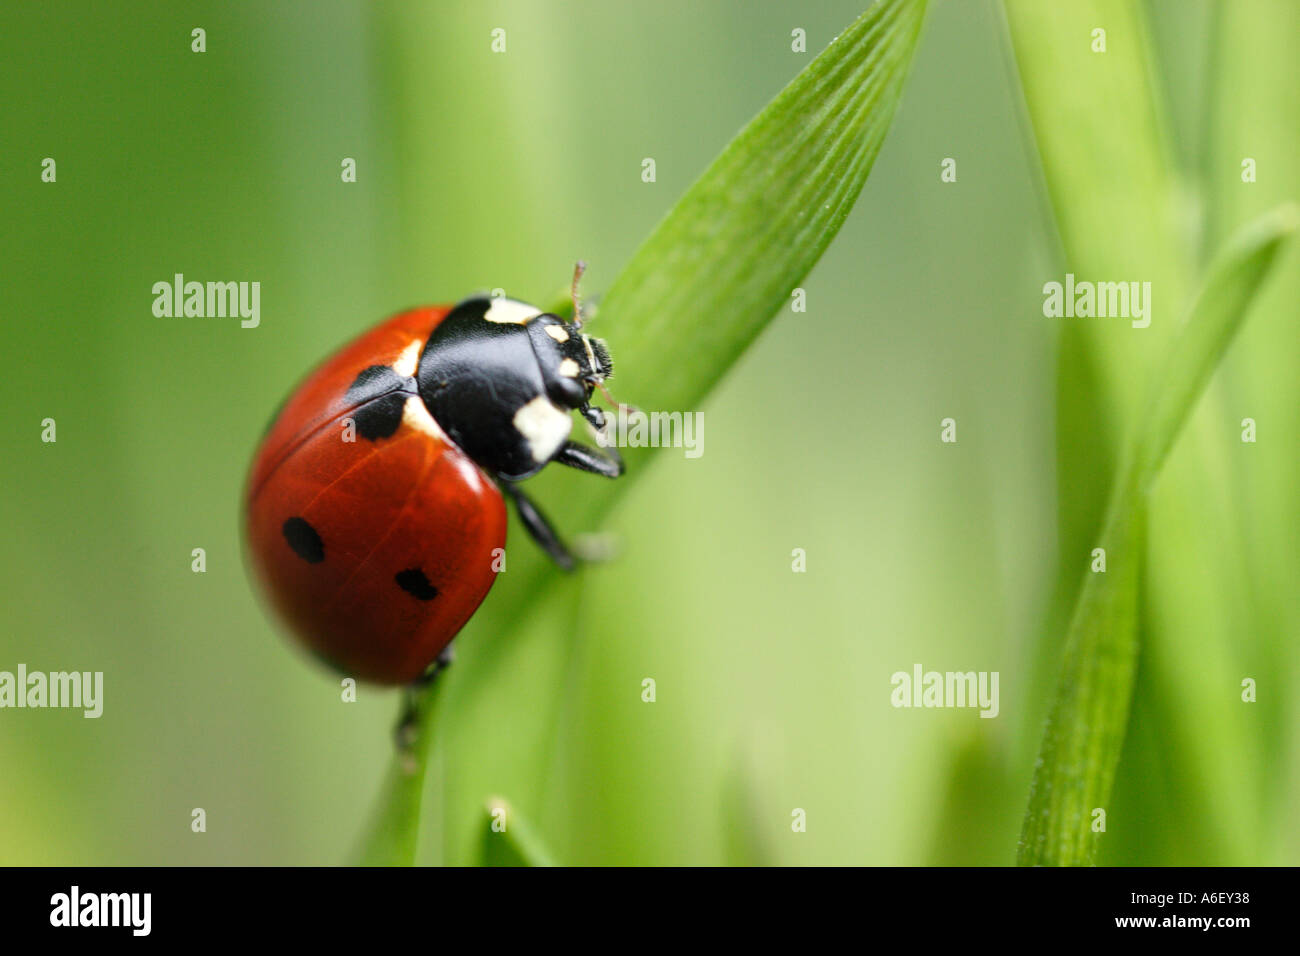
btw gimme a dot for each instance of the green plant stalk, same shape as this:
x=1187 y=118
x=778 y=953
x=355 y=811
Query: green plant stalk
x=1254 y=100
x=518 y=844
x=1216 y=319
x=724 y=261
x=395 y=831
x=1096 y=122
x=1085 y=732
x=727 y=256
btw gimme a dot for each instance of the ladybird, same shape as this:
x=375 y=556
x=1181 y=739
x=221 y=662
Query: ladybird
x=375 y=505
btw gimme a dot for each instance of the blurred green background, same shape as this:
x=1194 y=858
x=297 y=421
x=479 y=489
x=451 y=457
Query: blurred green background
x=480 y=170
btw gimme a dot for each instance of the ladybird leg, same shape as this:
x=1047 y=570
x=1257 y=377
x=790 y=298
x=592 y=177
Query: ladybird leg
x=538 y=527
x=413 y=698
x=440 y=664
x=595 y=417
x=600 y=426
x=608 y=462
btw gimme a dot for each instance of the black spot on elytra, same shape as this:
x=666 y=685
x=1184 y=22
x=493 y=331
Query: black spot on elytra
x=414 y=583
x=380 y=394
x=304 y=540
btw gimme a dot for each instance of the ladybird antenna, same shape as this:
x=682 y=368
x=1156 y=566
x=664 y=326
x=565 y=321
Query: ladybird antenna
x=579 y=268
x=613 y=401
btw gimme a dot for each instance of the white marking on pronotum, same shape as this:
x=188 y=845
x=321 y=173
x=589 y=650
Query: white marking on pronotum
x=416 y=415
x=543 y=426
x=569 y=368
x=409 y=360
x=557 y=332
x=510 y=310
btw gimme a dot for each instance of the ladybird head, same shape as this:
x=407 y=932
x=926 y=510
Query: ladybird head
x=573 y=364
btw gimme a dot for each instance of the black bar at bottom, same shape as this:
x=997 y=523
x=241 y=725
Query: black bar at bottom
x=930 y=905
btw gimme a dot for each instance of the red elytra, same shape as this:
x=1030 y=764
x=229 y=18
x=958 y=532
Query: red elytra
x=410 y=501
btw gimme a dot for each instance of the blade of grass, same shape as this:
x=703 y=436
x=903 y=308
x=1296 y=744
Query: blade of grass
x=1254 y=101
x=724 y=260
x=509 y=839
x=1084 y=734
x=1096 y=121
x=726 y=257
x=395 y=830
x=1215 y=320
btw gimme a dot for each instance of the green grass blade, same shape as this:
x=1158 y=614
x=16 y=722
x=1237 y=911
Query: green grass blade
x=1216 y=317
x=392 y=837
x=509 y=840
x=1254 y=100
x=1084 y=734
x=1098 y=127
x=394 y=833
x=724 y=261
x=1096 y=122
x=1085 y=731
